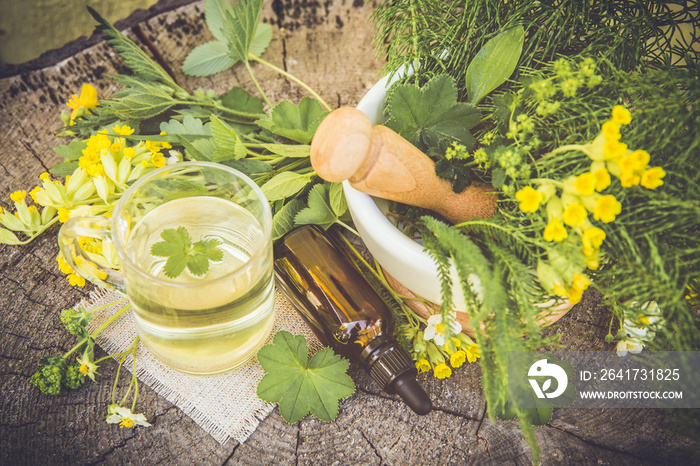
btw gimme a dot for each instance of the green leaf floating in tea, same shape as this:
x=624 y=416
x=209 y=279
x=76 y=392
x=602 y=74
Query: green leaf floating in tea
x=178 y=248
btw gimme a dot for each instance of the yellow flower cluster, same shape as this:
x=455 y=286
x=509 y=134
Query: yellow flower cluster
x=81 y=104
x=457 y=351
x=568 y=213
x=108 y=165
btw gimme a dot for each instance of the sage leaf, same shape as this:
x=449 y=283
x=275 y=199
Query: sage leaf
x=494 y=63
x=284 y=185
x=207 y=59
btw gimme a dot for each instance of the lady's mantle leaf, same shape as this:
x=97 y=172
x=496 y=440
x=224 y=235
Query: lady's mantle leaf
x=494 y=63
x=429 y=114
x=301 y=386
x=319 y=211
x=283 y=221
x=178 y=248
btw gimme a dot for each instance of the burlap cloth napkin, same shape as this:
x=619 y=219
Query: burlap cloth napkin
x=224 y=405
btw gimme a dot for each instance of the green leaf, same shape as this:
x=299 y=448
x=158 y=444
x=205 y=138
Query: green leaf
x=207 y=59
x=135 y=58
x=239 y=26
x=139 y=100
x=238 y=99
x=214 y=12
x=285 y=184
x=261 y=39
x=252 y=168
x=228 y=144
x=72 y=151
x=283 y=221
x=189 y=127
x=319 y=211
x=63 y=169
x=300 y=386
x=297 y=123
x=178 y=248
x=337 y=199
x=494 y=63
x=429 y=114
x=289 y=150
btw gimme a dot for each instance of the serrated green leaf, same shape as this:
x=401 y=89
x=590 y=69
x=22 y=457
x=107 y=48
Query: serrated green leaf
x=283 y=220
x=300 y=386
x=295 y=122
x=214 y=12
x=337 y=199
x=289 y=150
x=239 y=24
x=72 y=151
x=238 y=99
x=135 y=58
x=261 y=39
x=284 y=185
x=431 y=113
x=228 y=144
x=178 y=248
x=207 y=59
x=189 y=126
x=319 y=211
x=252 y=168
x=494 y=63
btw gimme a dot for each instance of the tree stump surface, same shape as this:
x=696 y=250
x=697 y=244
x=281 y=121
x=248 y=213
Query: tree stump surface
x=329 y=46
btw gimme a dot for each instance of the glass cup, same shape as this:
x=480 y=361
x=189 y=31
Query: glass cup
x=199 y=324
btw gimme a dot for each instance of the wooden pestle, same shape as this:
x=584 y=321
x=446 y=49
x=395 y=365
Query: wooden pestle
x=379 y=162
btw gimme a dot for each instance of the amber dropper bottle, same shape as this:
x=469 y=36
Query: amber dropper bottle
x=345 y=311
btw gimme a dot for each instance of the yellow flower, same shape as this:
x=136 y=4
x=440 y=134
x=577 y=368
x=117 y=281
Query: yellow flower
x=44 y=176
x=529 y=199
x=651 y=178
x=592 y=260
x=18 y=196
x=422 y=365
x=166 y=145
x=555 y=231
x=586 y=183
x=76 y=280
x=574 y=215
x=640 y=159
x=560 y=290
x=34 y=191
x=458 y=358
x=116 y=147
x=128 y=153
x=614 y=149
x=124 y=130
x=602 y=178
x=158 y=160
x=592 y=238
x=96 y=170
x=621 y=115
x=606 y=208
x=86 y=101
x=63 y=215
x=580 y=282
x=629 y=178
x=442 y=371
x=472 y=352
x=611 y=130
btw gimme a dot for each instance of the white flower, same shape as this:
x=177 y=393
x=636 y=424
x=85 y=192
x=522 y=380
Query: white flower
x=631 y=345
x=125 y=418
x=641 y=325
x=436 y=329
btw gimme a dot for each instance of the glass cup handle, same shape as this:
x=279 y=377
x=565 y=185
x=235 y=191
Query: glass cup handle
x=79 y=259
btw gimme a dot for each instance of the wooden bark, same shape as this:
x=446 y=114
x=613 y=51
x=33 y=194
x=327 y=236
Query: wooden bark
x=328 y=45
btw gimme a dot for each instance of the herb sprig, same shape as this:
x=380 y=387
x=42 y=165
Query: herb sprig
x=182 y=253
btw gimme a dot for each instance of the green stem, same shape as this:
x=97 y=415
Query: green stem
x=39 y=231
x=255 y=81
x=293 y=78
x=252 y=116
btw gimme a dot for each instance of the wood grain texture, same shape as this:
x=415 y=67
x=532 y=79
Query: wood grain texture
x=328 y=45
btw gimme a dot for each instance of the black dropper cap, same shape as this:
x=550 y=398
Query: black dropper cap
x=388 y=364
x=345 y=311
